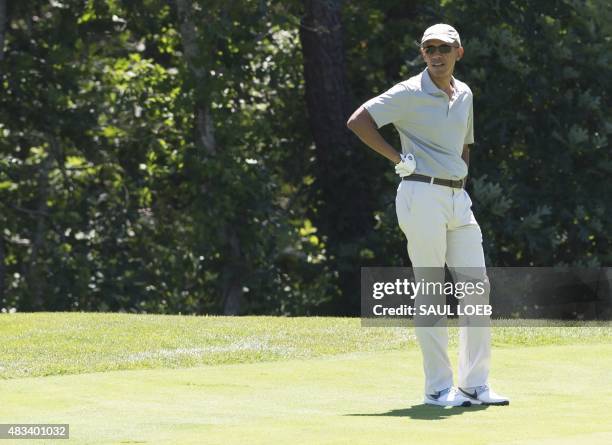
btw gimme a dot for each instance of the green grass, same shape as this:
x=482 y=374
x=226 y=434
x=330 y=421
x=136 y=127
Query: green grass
x=267 y=380
x=43 y=344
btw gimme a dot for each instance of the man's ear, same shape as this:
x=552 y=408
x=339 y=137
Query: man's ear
x=460 y=52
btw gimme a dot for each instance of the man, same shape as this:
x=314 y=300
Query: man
x=433 y=114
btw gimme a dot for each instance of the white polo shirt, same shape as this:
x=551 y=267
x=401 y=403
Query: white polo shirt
x=431 y=126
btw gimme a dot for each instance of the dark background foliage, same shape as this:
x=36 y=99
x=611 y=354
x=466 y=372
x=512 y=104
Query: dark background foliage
x=191 y=157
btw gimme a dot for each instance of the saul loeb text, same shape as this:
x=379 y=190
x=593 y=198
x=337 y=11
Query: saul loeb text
x=406 y=310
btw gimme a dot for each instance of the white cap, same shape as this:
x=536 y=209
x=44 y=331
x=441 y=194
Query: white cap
x=443 y=32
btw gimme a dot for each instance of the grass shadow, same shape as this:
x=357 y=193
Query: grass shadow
x=425 y=412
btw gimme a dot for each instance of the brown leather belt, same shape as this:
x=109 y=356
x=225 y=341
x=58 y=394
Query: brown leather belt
x=457 y=184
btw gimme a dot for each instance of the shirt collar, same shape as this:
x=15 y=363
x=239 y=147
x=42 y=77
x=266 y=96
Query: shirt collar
x=431 y=88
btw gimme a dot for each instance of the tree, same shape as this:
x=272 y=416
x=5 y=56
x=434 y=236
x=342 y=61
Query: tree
x=205 y=140
x=157 y=157
x=343 y=205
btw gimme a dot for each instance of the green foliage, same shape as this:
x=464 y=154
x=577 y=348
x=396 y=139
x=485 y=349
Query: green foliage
x=107 y=201
x=107 y=204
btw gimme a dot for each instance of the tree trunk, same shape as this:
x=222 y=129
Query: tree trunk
x=328 y=102
x=205 y=141
x=343 y=202
x=205 y=134
x=2 y=268
x=604 y=294
x=36 y=278
x=3 y=22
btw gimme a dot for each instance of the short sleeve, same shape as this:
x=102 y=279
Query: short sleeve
x=388 y=107
x=469 y=134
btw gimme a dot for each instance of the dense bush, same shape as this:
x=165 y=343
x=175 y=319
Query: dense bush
x=109 y=202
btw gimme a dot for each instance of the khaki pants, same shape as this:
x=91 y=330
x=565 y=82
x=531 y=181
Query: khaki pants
x=440 y=229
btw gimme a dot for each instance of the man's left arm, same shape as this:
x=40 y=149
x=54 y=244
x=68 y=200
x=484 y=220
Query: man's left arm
x=469 y=138
x=465 y=155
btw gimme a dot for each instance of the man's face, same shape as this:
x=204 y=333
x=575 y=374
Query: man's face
x=441 y=64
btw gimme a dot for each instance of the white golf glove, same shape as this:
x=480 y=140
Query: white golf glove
x=406 y=166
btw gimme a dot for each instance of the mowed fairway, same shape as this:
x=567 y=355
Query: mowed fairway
x=559 y=387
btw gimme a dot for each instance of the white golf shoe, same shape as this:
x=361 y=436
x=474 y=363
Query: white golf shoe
x=485 y=395
x=449 y=397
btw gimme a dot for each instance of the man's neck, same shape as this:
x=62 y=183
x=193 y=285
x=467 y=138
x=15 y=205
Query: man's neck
x=443 y=83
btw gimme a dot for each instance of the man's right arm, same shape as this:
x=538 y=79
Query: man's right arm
x=362 y=124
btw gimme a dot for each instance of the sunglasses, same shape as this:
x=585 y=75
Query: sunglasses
x=443 y=49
